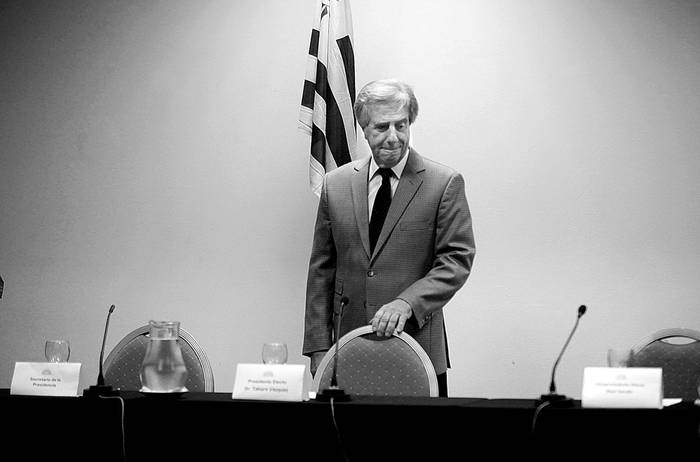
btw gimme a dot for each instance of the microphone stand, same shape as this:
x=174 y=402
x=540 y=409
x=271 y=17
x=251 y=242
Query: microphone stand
x=334 y=392
x=101 y=389
x=553 y=398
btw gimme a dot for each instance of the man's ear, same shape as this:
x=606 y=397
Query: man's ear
x=364 y=132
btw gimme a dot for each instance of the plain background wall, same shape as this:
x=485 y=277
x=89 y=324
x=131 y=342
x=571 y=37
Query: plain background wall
x=150 y=158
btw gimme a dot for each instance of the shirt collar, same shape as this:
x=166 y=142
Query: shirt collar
x=397 y=169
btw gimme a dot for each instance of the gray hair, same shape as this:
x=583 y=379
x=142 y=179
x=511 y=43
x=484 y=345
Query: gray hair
x=388 y=91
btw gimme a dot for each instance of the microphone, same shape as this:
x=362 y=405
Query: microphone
x=334 y=391
x=552 y=397
x=101 y=389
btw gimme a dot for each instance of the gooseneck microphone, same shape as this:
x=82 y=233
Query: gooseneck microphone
x=334 y=391
x=553 y=397
x=101 y=389
x=100 y=376
x=334 y=379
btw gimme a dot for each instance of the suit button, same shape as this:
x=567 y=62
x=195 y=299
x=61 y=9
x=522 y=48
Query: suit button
x=370 y=273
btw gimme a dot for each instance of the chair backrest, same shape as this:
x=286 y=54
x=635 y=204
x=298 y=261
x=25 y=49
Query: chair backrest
x=680 y=361
x=121 y=367
x=378 y=366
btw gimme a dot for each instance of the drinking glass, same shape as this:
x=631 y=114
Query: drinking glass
x=619 y=357
x=57 y=351
x=274 y=353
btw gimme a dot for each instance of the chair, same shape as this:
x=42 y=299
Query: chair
x=121 y=367
x=679 y=359
x=378 y=366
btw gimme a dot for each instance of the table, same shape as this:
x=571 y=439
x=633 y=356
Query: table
x=213 y=426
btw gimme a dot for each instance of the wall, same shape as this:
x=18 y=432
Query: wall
x=150 y=158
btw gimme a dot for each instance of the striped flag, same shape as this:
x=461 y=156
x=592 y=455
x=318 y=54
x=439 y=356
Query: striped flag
x=329 y=92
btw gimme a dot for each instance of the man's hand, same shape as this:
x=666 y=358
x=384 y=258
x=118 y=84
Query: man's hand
x=391 y=317
x=316 y=358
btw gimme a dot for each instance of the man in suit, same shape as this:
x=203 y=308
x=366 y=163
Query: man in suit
x=393 y=233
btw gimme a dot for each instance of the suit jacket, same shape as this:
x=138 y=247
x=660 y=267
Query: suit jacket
x=423 y=255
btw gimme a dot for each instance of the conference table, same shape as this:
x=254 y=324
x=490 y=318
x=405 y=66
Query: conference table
x=214 y=426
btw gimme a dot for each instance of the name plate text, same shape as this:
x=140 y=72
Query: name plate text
x=45 y=379
x=622 y=387
x=276 y=382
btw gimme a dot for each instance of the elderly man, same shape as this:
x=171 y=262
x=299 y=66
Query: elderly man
x=393 y=234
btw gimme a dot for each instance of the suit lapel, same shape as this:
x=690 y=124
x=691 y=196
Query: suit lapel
x=359 y=201
x=406 y=190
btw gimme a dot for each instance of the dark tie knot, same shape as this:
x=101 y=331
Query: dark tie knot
x=386 y=173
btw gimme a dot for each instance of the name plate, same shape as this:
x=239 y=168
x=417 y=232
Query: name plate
x=628 y=387
x=45 y=379
x=276 y=382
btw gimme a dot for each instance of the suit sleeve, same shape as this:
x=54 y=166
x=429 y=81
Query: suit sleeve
x=318 y=319
x=454 y=254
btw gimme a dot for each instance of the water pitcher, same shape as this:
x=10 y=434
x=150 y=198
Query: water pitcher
x=163 y=369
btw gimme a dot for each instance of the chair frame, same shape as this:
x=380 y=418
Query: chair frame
x=364 y=330
x=664 y=334
x=184 y=336
x=660 y=335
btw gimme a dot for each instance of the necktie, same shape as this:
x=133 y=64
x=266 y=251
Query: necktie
x=381 y=206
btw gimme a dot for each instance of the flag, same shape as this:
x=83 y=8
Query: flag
x=329 y=91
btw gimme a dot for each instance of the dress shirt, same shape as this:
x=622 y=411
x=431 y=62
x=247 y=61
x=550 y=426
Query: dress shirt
x=376 y=180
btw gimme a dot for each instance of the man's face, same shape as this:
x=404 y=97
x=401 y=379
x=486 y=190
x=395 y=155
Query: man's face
x=388 y=133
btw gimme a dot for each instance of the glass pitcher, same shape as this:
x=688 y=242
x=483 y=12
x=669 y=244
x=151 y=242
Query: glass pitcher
x=163 y=369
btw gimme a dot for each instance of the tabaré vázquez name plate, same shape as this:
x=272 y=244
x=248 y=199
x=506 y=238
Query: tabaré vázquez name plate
x=276 y=382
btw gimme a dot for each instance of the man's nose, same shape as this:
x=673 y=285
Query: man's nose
x=392 y=136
